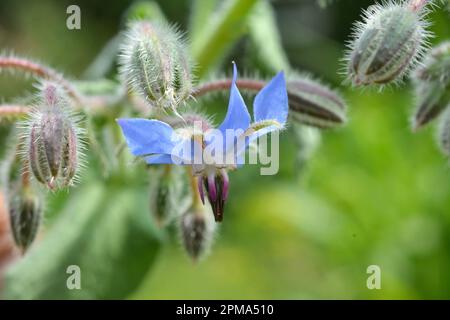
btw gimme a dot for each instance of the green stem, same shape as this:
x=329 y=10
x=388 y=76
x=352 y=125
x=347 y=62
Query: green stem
x=196 y=201
x=223 y=31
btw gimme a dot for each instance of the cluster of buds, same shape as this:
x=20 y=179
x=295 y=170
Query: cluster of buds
x=25 y=212
x=432 y=85
x=52 y=148
x=197 y=231
x=154 y=63
x=387 y=43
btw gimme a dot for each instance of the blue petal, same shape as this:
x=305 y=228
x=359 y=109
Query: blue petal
x=159 y=159
x=237 y=115
x=186 y=152
x=145 y=137
x=248 y=140
x=271 y=103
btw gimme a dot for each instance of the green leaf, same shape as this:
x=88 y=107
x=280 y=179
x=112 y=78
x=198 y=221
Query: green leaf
x=265 y=36
x=144 y=10
x=201 y=11
x=106 y=233
x=223 y=29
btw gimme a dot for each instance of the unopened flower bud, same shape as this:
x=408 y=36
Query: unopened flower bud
x=53 y=142
x=25 y=209
x=196 y=232
x=386 y=44
x=432 y=98
x=314 y=104
x=216 y=186
x=436 y=65
x=154 y=63
x=169 y=193
x=432 y=85
x=444 y=133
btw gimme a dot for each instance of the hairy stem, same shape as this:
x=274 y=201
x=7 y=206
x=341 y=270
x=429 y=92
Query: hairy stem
x=40 y=71
x=225 y=84
x=11 y=110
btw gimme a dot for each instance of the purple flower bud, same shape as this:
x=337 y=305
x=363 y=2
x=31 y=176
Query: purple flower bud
x=52 y=140
x=386 y=44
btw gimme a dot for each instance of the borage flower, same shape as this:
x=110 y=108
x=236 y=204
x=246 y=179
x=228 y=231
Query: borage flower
x=211 y=152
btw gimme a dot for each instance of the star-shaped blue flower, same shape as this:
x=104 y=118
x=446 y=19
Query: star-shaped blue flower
x=159 y=143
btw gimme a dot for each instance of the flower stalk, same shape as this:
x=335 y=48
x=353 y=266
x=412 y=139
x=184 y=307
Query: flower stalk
x=42 y=72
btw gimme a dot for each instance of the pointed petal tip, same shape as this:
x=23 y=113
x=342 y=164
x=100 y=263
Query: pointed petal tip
x=235 y=72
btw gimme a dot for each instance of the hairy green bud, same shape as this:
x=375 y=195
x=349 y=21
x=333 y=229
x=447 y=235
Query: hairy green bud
x=314 y=104
x=155 y=64
x=387 y=43
x=436 y=65
x=432 y=85
x=197 y=230
x=25 y=210
x=168 y=193
x=52 y=147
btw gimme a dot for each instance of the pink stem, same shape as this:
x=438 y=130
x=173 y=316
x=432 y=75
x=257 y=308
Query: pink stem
x=13 y=110
x=225 y=84
x=40 y=71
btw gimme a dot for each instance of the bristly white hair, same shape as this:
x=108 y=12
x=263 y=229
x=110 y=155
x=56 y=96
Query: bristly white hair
x=412 y=50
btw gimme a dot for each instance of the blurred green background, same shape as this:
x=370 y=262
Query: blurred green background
x=374 y=193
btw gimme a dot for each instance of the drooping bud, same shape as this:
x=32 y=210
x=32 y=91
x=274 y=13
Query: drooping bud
x=160 y=206
x=432 y=98
x=169 y=194
x=432 y=85
x=196 y=232
x=387 y=43
x=314 y=104
x=25 y=210
x=216 y=187
x=436 y=65
x=444 y=133
x=53 y=143
x=154 y=63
